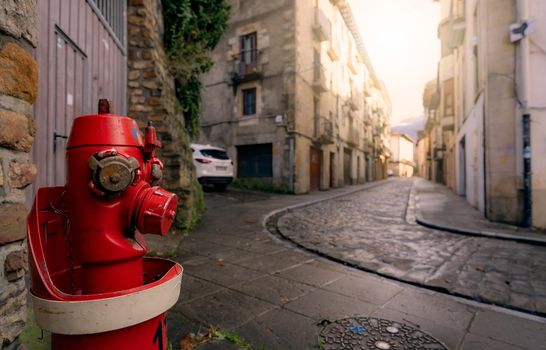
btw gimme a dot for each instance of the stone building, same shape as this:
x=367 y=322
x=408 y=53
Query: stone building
x=421 y=152
x=493 y=106
x=294 y=98
x=402 y=161
x=432 y=136
x=18 y=91
x=152 y=98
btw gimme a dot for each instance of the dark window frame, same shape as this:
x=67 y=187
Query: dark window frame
x=249 y=99
x=248 y=51
x=255 y=161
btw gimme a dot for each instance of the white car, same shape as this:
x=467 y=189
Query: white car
x=212 y=166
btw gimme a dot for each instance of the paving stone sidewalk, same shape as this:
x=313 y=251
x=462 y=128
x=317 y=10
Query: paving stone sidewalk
x=375 y=230
x=240 y=278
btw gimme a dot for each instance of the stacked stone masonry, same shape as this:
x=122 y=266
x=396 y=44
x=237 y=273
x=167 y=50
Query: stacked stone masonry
x=18 y=91
x=151 y=97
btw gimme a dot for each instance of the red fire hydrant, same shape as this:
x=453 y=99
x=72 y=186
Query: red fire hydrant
x=91 y=285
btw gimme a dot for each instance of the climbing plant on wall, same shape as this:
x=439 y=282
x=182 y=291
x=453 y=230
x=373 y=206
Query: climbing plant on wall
x=192 y=30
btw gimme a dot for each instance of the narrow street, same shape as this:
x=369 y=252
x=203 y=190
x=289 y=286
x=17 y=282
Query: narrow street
x=242 y=279
x=375 y=229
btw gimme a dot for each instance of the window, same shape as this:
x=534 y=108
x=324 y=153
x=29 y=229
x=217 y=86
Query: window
x=112 y=15
x=215 y=153
x=248 y=48
x=249 y=101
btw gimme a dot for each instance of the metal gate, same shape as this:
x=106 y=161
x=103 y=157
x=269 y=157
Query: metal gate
x=82 y=57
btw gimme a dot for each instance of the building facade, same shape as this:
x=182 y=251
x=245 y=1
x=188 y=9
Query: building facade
x=402 y=160
x=492 y=106
x=294 y=98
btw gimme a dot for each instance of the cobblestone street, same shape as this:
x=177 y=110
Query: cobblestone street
x=375 y=230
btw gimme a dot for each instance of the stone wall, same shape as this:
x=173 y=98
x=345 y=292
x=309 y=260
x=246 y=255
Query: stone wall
x=151 y=98
x=18 y=90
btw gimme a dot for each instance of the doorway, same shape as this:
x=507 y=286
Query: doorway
x=462 y=167
x=314 y=169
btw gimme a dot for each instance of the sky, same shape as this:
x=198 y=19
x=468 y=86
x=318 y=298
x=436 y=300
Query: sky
x=401 y=39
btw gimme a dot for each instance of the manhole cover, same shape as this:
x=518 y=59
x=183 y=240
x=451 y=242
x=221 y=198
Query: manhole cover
x=374 y=333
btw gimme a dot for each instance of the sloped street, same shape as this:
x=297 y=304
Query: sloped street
x=375 y=230
x=242 y=280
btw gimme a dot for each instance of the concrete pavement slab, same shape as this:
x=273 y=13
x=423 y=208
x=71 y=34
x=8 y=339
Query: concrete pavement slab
x=195 y=288
x=476 y=342
x=274 y=289
x=365 y=288
x=509 y=329
x=281 y=329
x=322 y=304
x=227 y=309
x=222 y=273
x=277 y=261
x=309 y=274
x=432 y=306
x=259 y=313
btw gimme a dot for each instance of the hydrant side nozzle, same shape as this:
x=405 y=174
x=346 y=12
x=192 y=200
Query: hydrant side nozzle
x=155 y=211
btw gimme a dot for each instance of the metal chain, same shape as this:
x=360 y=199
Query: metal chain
x=68 y=240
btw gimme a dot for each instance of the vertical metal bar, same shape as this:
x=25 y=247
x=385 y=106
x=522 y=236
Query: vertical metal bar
x=527 y=195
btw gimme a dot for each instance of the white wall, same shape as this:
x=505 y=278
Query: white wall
x=472 y=132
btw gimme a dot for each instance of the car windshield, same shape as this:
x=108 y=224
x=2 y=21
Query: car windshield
x=214 y=153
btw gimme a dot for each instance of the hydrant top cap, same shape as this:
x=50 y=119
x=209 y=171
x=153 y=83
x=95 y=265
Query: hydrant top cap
x=104 y=129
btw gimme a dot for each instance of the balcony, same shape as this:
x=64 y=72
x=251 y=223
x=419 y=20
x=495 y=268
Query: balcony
x=356 y=99
x=367 y=146
x=368 y=87
x=320 y=79
x=448 y=123
x=247 y=66
x=353 y=63
x=458 y=29
x=324 y=131
x=367 y=119
x=334 y=49
x=322 y=26
x=353 y=138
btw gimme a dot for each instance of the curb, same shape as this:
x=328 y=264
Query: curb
x=274 y=230
x=367 y=186
x=482 y=233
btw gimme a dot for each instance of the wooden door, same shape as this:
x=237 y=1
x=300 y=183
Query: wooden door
x=314 y=169
x=81 y=56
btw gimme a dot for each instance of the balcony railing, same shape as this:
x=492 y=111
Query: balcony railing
x=353 y=137
x=356 y=100
x=367 y=145
x=353 y=63
x=324 y=130
x=320 y=80
x=334 y=49
x=448 y=123
x=322 y=26
x=247 y=66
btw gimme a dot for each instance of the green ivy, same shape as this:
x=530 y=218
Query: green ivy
x=192 y=30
